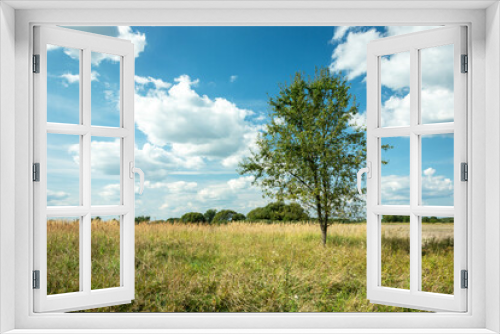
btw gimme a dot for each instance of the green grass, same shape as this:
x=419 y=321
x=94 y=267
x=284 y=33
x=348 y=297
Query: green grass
x=249 y=267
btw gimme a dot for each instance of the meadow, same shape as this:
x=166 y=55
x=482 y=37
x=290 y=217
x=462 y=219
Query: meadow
x=249 y=267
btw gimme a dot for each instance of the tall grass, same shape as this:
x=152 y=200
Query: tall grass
x=251 y=267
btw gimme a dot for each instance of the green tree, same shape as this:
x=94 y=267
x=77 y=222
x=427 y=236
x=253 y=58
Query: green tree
x=209 y=215
x=193 y=217
x=279 y=211
x=226 y=216
x=310 y=151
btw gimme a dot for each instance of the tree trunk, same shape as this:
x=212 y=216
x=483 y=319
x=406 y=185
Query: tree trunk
x=324 y=228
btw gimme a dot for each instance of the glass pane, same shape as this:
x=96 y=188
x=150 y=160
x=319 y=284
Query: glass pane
x=395 y=89
x=395 y=171
x=63 y=255
x=395 y=252
x=105 y=252
x=105 y=156
x=437 y=254
x=105 y=89
x=63 y=85
x=63 y=170
x=437 y=169
x=437 y=96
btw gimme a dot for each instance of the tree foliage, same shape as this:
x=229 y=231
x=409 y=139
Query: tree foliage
x=193 y=217
x=309 y=153
x=226 y=216
x=209 y=215
x=279 y=211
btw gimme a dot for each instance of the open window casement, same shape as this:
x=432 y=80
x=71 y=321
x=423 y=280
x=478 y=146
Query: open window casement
x=432 y=105
x=84 y=49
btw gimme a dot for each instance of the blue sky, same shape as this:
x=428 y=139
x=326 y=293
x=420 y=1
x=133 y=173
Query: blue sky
x=201 y=99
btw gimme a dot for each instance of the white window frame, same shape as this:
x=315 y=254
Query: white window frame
x=413 y=44
x=85 y=298
x=483 y=102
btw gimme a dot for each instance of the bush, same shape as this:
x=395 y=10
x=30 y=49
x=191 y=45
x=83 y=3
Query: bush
x=139 y=219
x=279 y=211
x=226 y=216
x=193 y=217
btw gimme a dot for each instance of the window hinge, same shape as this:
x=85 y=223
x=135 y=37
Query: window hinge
x=36 y=63
x=465 y=279
x=464 y=171
x=36 y=279
x=36 y=172
x=465 y=64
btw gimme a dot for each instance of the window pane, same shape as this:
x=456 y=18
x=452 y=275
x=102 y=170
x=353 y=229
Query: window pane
x=105 y=252
x=63 y=170
x=63 y=85
x=105 y=159
x=437 y=93
x=437 y=254
x=395 y=89
x=395 y=252
x=105 y=89
x=437 y=169
x=395 y=171
x=63 y=255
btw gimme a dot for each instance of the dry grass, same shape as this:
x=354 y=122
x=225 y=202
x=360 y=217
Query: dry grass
x=250 y=267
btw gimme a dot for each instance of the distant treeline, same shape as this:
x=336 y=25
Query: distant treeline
x=273 y=213
x=406 y=219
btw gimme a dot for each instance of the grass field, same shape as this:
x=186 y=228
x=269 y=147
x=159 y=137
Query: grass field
x=249 y=267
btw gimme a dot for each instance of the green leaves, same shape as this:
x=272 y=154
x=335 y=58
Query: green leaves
x=309 y=152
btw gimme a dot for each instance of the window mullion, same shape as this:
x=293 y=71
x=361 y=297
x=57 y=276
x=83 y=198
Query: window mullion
x=414 y=170
x=85 y=236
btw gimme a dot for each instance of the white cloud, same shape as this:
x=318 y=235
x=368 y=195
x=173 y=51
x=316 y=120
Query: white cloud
x=158 y=83
x=396 y=111
x=233 y=78
x=173 y=187
x=395 y=71
x=350 y=56
x=359 y=120
x=340 y=32
x=56 y=197
x=234 y=191
x=436 y=189
x=194 y=125
x=110 y=194
x=123 y=32
x=437 y=107
x=73 y=78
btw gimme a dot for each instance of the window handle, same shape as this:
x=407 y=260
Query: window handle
x=368 y=171
x=132 y=171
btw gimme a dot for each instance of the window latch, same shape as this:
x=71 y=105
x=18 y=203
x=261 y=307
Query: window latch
x=132 y=171
x=368 y=171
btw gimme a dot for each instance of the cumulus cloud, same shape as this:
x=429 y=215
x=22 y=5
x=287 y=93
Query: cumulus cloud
x=349 y=55
x=233 y=78
x=194 y=125
x=436 y=189
x=437 y=106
